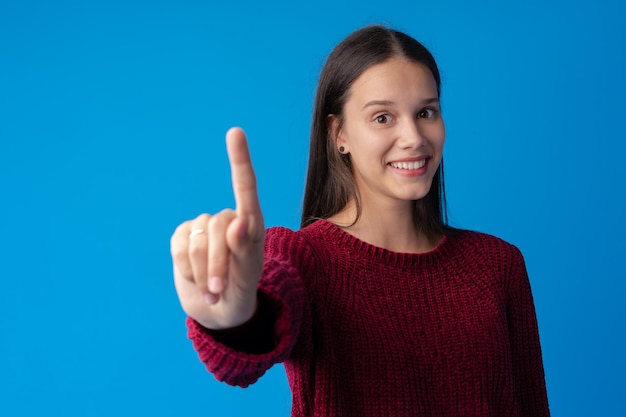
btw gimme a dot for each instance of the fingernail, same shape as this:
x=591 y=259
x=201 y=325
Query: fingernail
x=215 y=285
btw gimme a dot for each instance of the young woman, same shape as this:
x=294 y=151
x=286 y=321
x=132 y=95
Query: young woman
x=375 y=306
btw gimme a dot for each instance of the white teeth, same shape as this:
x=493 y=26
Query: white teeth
x=409 y=165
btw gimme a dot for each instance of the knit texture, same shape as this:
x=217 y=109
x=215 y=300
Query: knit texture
x=364 y=331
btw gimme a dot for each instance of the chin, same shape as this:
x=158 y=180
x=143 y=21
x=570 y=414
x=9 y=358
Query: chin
x=414 y=197
x=417 y=195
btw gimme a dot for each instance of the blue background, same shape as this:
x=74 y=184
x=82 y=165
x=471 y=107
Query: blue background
x=112 y=119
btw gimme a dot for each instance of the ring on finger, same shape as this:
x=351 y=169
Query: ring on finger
x=196 y=232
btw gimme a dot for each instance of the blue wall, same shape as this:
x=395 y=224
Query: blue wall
x=112 y=118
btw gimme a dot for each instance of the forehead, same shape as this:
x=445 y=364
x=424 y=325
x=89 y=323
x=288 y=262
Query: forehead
x=396 y=79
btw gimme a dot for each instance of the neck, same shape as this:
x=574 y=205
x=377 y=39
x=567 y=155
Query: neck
x=391 y=228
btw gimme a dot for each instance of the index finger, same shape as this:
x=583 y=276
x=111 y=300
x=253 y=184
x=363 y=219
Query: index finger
x=244 y=180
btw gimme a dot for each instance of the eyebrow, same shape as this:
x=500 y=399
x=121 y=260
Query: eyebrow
x=391 y=103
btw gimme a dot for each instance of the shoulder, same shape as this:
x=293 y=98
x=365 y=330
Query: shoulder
x=280 y=232
x=489 y=259
x=316 y=242
x=300 y=246
x=315 y=234
x=484 y=246
x=482 y=240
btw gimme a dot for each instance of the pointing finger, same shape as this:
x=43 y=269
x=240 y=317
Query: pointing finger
x=244 y=179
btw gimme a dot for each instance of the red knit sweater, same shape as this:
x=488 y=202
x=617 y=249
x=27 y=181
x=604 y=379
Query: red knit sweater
x=364 y=331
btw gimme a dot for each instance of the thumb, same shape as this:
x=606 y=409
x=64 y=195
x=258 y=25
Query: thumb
x=238 y=235
x=246 y=250
x=246 y=239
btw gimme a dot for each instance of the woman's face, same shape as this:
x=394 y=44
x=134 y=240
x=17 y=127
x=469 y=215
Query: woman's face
x=393 y=130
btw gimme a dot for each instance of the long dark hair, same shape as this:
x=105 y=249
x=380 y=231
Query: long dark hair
x=330 y=182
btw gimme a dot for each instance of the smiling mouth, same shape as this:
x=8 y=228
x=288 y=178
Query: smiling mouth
x=408 y=165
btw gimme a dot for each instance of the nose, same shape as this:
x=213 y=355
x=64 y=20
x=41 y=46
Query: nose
x=411 y=136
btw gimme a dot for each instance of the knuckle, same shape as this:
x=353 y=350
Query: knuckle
x=218 y=265
x=201 y=283
x=219 y=221
x=196 y=249
x=178 y=245
x=247 y=183
x=178 y=252
x=183 y=271
x=203 y=218
x=227 y=212
x=217 y=261
x=180 y=230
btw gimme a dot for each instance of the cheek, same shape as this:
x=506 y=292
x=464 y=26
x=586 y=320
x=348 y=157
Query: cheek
x=369 y=144
x=442 y=143
x=438 y=137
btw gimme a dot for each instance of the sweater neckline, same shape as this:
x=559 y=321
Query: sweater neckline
x=368 y=251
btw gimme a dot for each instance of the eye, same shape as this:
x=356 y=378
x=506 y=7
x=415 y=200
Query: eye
x=427 y=113
x=383 y=119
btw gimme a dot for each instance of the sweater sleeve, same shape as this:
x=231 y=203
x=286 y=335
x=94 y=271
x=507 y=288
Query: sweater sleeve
x=283 y=291
x=530 y=384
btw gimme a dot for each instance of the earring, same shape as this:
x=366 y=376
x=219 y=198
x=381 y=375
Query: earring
x=342 y=149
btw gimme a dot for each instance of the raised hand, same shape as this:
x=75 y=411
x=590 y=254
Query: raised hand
x=218 y=258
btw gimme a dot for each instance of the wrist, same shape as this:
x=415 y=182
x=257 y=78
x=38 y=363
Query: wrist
x=235 y=320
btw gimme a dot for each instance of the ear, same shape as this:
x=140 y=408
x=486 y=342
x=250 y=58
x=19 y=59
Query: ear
x=334 y=130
